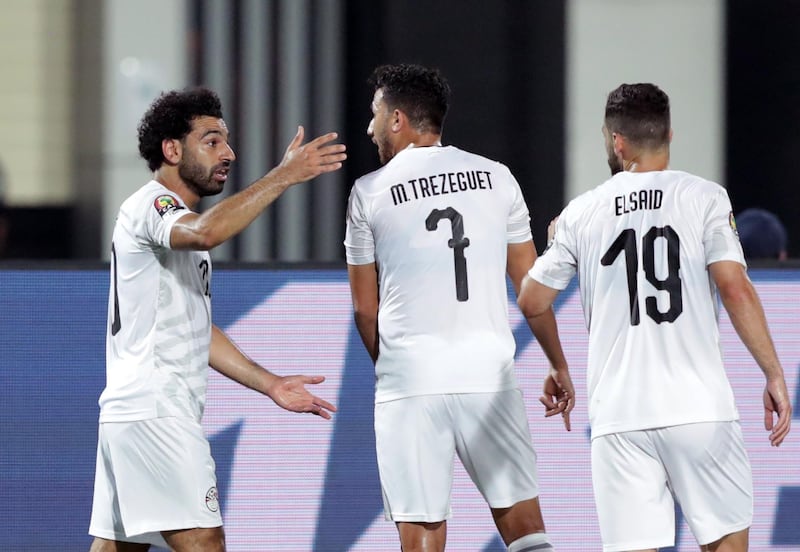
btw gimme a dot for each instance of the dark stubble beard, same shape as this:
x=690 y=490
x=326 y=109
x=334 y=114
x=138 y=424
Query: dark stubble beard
x=199 y=180
x=613 y=163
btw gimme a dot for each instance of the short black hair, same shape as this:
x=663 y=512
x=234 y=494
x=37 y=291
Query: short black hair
x=640 y=113
x=422 y=93
x=170 y=117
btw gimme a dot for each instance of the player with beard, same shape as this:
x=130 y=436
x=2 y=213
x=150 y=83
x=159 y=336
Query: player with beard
x=155 y=481
x=430 y=239
x=653 y=248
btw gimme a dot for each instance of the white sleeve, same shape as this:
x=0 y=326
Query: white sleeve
x=556 y=267
x=359 y=243
x=518 y=228
x=161 y=211
x=720 y=239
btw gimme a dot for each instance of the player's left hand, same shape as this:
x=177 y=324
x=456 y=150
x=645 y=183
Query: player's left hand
x=558 y=395
x=289 y=392
x=776 y=402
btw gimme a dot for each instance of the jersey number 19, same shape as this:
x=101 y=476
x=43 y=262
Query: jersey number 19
x=626 y=242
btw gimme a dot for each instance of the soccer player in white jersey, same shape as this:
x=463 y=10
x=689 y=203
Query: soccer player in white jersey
x=155 y=480
x=653 y=248
x=429 y=239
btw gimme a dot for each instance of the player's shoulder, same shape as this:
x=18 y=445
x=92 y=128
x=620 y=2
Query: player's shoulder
x=154 y=194
x=432 y=159
x=475 y=158
x=589 y=199
x=692 y=183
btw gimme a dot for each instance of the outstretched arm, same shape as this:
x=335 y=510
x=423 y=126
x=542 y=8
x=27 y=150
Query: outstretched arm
x=364 y=290
x=234 y=213
x=747 y=315
x=558 y=392
x=288 y=392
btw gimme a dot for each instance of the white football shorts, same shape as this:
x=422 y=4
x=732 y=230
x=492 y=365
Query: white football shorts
x=416 y=438
x=637 y=476
x=152 y=476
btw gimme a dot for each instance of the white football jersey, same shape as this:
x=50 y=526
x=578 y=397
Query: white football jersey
x=159 y=315
x=641 y=244
x=437 y=221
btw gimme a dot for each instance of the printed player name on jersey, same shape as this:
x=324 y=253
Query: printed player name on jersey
x=635 y=201
x=441 y=184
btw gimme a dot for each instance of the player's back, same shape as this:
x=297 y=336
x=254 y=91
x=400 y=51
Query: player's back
x=441 y=219
x=643 y=243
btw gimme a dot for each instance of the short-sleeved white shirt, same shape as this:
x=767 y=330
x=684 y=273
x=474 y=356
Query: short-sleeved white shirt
x=640 y=244
x=159 y=315
x=437 y=222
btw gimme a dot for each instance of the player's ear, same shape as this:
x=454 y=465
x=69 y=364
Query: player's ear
x=619 y=142
x=172 y=150
x=398 y=120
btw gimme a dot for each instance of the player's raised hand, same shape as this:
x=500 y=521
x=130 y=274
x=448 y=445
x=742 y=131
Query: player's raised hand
x=776 y=401
x=558 y=395
x=289 y=392
x=303 y=162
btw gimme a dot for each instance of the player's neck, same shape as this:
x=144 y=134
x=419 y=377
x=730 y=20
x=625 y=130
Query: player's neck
x=172 y=181
x=648 y=162
x=422 y=140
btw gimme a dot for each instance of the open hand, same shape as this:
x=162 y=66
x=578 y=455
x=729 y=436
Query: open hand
x=289 y=392
x=306 y=161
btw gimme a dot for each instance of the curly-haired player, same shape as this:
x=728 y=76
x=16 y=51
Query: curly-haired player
x=430 y=238
x=155 y=480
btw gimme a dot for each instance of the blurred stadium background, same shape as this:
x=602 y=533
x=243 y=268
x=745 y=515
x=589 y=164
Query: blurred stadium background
x=530 y=79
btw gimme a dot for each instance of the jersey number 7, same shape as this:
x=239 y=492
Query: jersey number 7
x=458 y=243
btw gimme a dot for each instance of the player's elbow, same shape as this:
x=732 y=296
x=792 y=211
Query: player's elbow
x=206 y=242
x=530 y=301
x=195 y=237
x=535 y=298
x=365 y=317
x=739 y=292
x=529 y=306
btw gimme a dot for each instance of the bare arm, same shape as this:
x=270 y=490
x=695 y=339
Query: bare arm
x=364 y=290
x=288 y=392
x=559 y=393
x=234 y=213
x=747 y=316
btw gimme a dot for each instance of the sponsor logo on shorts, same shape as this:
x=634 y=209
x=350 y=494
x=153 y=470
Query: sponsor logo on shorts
x=212 y=499
x=166 y=203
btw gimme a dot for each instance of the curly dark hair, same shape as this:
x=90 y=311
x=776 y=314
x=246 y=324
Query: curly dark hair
x=170 y=116
x=639 y=112
x=421 y=93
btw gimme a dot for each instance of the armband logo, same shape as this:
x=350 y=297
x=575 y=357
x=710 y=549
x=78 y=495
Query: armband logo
x=732 y=222
x=166 y=203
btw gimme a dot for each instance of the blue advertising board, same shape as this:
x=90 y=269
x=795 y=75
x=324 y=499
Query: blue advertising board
x=301 y=483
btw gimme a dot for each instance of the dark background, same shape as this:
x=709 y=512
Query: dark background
x=517 y=114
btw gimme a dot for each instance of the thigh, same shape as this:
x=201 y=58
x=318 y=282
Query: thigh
x=414 y=446
x=635 y=508
x=710 y=475
x=424 y=537
x=104 y=545
x=211 y=539
x=162 y=477
x=493 y=442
